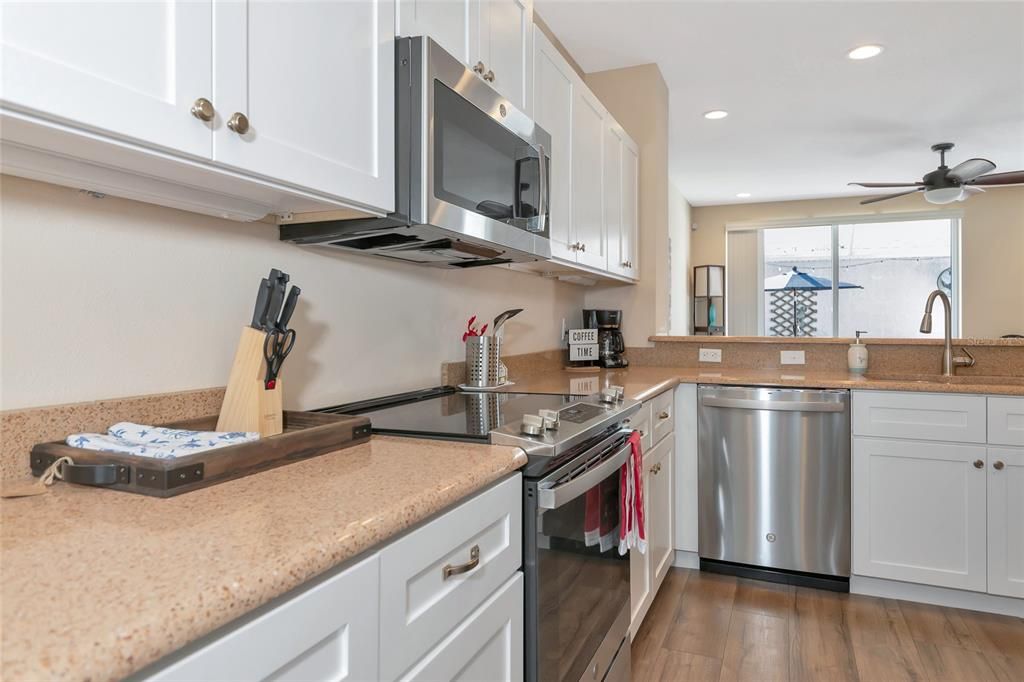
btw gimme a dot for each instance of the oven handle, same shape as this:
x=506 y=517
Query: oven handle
x=552 y=498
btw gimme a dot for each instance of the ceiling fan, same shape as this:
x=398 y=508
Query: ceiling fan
x=945 y=185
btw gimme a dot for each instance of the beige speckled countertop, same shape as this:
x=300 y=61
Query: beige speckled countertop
x=642 y=382
x=99 y=583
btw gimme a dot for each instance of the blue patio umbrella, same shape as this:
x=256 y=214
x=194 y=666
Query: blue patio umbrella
x=798 y=283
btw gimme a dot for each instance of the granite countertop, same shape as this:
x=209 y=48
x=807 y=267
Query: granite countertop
x=642 y=382
x=99 y=583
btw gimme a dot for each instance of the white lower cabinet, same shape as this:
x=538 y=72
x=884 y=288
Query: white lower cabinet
x=1005 y=468
x=648 y=570
x=329 y=632
x=486 y=646
x=444 y=601
x=919 y=512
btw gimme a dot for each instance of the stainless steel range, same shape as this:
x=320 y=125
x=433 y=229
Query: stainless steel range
x=577 y=584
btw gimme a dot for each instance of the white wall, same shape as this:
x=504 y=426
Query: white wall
x=108 y=298
x=679 y=319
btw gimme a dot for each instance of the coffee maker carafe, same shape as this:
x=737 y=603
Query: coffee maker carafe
x=611 y=345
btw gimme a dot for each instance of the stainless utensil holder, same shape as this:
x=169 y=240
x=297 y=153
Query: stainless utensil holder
x=483 y=362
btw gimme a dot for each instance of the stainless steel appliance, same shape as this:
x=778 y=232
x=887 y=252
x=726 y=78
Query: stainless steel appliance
x=577 y=584
x=611 y=344
x=774 y=482
x=472 y=173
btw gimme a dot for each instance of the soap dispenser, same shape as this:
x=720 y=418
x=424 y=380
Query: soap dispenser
x=857 y=356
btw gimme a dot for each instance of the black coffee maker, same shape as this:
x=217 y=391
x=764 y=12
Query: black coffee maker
x=610 y=343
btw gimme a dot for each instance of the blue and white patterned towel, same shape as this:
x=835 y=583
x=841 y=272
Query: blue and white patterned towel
x=150 y=441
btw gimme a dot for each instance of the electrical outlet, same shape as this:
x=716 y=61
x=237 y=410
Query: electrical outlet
x=791 y=357
x=710 y=354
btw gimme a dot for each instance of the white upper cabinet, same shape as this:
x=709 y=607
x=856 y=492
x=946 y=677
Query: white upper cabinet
x=494 y=37
x=506 y=28
x=587 y=179
x=553 y=83
x=620 y=199
x=312 y=84
x=453 y=24
x=132 y=70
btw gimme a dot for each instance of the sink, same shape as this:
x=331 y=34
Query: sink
x=969 y=379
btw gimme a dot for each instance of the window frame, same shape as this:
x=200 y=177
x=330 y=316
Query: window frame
x=954 y=216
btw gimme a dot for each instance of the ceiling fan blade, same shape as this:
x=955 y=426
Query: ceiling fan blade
x=891 y=196
x=970 y=169
x=1008 y=178
x=971 y=189
x=887 y=184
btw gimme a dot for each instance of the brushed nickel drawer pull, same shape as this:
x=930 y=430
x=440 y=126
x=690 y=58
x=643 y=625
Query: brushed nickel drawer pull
x=663 y=415
x=474 y=560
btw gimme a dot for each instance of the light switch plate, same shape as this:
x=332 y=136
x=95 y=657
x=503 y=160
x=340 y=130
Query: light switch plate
x=791 y=357
x=710 y=354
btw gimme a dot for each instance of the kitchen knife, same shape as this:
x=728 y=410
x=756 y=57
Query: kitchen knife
x=289 y=308
x=278 y=282
x=259 y=314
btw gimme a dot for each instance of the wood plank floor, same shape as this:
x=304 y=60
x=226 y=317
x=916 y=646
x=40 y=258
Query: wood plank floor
x=705 y=626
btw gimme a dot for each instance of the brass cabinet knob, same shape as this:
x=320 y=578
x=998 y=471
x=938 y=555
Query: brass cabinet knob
x=479 y=68
x=202 y=109
x=998 y=466
x=489 y=76
x=978 y=464
x=239 y=123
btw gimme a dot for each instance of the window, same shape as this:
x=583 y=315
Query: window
x=870 y=274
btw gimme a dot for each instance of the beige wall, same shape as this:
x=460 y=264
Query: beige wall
x=106 y=298
x=992 y=243
x=638 y=99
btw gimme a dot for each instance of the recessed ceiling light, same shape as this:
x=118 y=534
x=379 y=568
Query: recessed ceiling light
x=865 y=52
x=715 y=114
x=743 y=195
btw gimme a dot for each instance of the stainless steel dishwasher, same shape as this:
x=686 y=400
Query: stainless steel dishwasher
x=774 y=483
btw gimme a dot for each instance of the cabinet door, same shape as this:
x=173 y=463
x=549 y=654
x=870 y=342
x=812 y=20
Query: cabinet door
x=328 y=632
x=132 y=70
x=919 y=512
x=587 y=185
x=316 y=82
x=1006 y=521
x=553 y=85
x=505 y=43
x=488 y=645
x=629 y=230
x=660 y=511
x=640 y=570
x=453 y=24
x=612 y=195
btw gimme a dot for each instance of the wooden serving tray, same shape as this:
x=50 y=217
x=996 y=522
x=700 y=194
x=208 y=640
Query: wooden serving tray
x=306 y=434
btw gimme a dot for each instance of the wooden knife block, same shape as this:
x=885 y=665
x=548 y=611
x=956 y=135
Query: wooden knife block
x=248 y=406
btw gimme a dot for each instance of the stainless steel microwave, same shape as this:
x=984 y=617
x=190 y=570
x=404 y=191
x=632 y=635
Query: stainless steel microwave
x=473 y=173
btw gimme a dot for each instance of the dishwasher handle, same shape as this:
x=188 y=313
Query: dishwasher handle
x=777 y=405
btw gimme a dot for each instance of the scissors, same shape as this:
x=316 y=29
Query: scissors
x=276 y=348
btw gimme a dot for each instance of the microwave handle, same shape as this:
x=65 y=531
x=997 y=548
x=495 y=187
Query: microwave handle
x=543 y=210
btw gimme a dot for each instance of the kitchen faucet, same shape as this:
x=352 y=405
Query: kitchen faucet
x=948 y=361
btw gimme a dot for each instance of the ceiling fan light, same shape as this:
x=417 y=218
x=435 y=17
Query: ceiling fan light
x=944 y=195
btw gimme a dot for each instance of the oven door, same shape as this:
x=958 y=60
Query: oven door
x=577 y=583
x=487 y=167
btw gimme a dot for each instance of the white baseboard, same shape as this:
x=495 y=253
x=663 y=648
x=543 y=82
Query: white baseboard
x=941 y=596
x=685 y=559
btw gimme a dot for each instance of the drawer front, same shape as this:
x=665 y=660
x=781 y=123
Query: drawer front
x=1006 y=421
x=662 y=415
x=641 y=421
x=486 y=646
x=420 y=604
x=919 y=416
x=328 y=632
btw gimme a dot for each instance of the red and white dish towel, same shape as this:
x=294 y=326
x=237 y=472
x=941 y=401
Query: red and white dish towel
x=632 y=534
